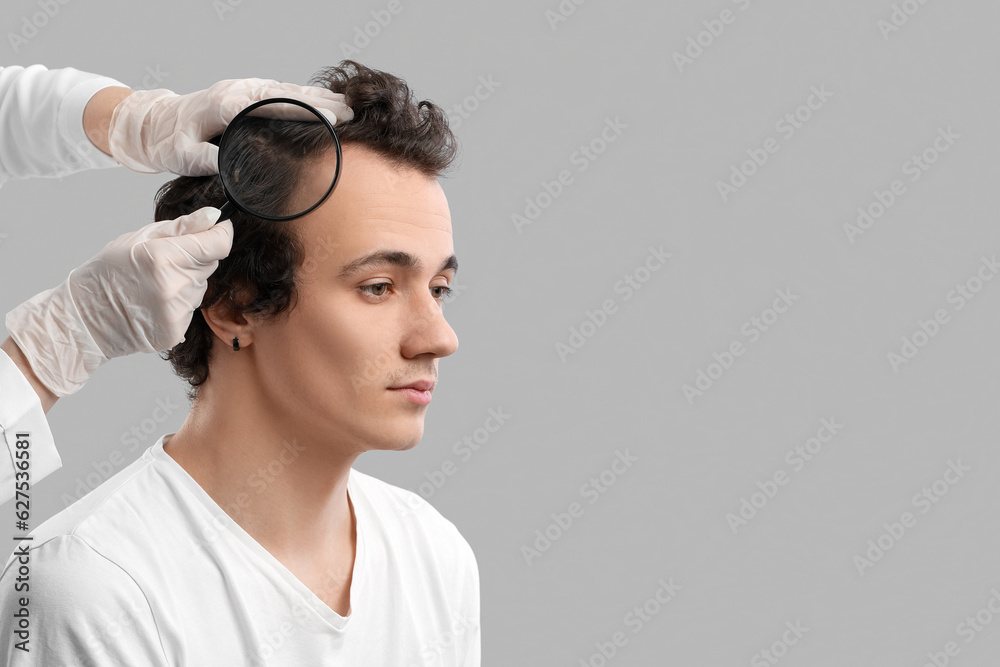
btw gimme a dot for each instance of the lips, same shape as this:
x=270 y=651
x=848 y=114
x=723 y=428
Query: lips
x=421 y=385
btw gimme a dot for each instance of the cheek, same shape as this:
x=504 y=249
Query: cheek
x=327 y=350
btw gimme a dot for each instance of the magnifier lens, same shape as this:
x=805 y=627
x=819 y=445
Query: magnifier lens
x=276 y=159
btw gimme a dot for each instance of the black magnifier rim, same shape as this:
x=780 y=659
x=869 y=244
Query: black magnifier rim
x=234 y=200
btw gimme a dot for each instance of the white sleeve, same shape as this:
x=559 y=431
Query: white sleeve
x=41 y=122
x=78 y=608
x=21 y=413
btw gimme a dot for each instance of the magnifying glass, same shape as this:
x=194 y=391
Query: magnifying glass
x=270 y=160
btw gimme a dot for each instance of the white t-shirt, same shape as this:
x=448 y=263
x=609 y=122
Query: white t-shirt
x=147 y=570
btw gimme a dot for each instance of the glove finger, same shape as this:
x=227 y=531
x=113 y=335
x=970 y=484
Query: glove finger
x=239 y=94
x=206 y=247
x=338 y=107
x=233 y=96
x=332 y=116
x=200 y=220
x=336 y=112
x=129 y=239
x=321 y=98
x=306 y=93
x=201 y=159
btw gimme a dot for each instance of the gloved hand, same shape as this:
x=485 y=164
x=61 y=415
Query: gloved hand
x=157 y=130
x=136 y=295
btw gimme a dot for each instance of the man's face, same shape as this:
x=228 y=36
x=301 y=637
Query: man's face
x=328 y=367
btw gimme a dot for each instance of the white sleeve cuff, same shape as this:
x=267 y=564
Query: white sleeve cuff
x=21 y=412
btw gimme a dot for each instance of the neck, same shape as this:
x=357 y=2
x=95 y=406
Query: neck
x=285 y=487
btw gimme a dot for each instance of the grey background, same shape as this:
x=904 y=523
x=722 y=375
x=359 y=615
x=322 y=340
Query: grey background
x=665 y=517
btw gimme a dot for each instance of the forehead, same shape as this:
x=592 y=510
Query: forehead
x=373 y=199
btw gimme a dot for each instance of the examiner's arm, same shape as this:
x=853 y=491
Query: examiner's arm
x=47 y=398
x=136 y=295
x=41 y=122
x=22 y=413
x=97 y=115
x=42 y=134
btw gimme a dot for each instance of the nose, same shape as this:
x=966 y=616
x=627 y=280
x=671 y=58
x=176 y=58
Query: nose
x=427 y=332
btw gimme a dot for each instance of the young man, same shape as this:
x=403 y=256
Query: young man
x=247 y=538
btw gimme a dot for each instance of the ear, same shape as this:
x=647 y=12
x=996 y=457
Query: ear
x=228 y=324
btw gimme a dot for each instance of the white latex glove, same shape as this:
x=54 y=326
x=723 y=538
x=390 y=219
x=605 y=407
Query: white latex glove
x=136 y=295
x=157 y=130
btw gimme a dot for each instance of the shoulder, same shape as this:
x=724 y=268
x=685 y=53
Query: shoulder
x=66 y=571
x=435 y=555
x=108 y=530
x=107 y=514
x=397 y=504
x=74 y=602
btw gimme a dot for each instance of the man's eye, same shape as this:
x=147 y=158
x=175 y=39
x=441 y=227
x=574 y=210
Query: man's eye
x=370 y=289
x=445 y=293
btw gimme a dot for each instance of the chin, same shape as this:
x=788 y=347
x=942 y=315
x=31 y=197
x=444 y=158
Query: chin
x=400 y=440
x=408 y=445
x=401 y=445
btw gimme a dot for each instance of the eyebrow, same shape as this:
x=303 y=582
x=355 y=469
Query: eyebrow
x=399 y=258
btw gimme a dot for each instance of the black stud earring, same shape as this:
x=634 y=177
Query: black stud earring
x=236 y=344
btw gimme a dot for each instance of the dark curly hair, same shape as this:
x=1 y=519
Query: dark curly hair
x=258 y=276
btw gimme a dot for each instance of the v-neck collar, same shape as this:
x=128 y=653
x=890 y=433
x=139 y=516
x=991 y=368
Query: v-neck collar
x=335 y=620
